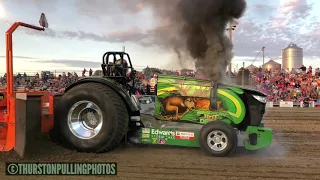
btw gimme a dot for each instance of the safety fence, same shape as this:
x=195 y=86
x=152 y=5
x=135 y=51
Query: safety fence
x=293 y=104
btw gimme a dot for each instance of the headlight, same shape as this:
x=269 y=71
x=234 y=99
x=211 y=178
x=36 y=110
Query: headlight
x=260 y=98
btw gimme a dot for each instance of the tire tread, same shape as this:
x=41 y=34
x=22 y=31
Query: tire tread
x=122 y=114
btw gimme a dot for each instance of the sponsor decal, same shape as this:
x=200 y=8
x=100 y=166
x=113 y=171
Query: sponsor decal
x=145 y=130
x=145 y=135
x=184 y=135
x=162 y=132
x=210 y=117
x=154 y=140
x=161 y=141
x=146 y=140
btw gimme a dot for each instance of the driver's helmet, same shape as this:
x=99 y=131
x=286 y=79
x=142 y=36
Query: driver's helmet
x=125 y=64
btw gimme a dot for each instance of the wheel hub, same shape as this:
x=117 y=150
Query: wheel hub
x=217 y=140
x=85 y=119
x=88 y=118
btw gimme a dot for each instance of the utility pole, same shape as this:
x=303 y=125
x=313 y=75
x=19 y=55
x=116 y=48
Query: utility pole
x=242 y=79
x=230 y=37
x=123 y=49
x=231 y=26
x=263 y=55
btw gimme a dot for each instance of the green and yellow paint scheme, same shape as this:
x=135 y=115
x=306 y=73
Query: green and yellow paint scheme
x=187 y=100
x=190 y=97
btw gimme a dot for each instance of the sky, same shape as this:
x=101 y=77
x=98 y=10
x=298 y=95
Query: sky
x=81 y=31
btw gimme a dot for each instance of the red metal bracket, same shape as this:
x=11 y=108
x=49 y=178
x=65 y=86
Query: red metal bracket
x=10 y=116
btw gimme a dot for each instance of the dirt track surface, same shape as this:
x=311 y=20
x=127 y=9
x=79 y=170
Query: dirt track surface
x=295 y=154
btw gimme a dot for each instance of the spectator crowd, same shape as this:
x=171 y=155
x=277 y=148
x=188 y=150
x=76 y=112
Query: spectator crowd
x=45 y=81
x=295 y=85
x=285 y=85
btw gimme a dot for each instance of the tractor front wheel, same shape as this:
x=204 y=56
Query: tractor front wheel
x=218 y=138
x=91 y=117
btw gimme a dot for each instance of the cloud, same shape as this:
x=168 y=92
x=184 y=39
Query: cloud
x=282 y=27
x=265 y=6
x=132 y=34
x=21 y=57
x=295 y=8
x=114 y=8
x=290 y=14
x=39 y=4
x=73 y=63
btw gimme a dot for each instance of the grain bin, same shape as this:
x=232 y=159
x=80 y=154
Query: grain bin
x=292 y=56
x=272 y=65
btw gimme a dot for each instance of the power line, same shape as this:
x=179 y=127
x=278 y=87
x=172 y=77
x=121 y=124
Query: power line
x=256 y=56
x=273 y=58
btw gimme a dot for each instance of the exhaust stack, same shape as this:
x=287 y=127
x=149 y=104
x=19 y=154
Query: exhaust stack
x=213 y=96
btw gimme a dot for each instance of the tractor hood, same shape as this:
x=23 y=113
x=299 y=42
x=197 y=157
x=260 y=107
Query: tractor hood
x=169 y=81
x=249 y=90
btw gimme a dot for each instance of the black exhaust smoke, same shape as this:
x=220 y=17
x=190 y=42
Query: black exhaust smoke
x=198 y=28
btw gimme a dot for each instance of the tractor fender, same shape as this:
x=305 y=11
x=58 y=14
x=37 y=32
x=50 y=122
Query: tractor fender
x=110 y=83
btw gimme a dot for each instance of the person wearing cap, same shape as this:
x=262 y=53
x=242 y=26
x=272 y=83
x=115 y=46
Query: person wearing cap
x=125 y=63
x=124 y=66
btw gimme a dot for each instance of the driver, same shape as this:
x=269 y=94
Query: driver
x=125 y=63
x=124 y=66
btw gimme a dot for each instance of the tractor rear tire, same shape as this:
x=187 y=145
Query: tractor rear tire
x=115 y=118
x=217 y=138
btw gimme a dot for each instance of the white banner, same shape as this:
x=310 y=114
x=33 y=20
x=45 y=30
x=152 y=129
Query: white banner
x=312 y=104
x=269 y=104
x=286 y=104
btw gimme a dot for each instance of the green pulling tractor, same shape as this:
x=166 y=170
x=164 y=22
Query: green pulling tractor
x=96 y=114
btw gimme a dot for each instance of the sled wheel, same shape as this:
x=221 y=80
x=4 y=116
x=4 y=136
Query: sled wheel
x=91 y=117
x=218 y=139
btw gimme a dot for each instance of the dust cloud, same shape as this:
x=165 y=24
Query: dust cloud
x=198 y=28
x=276 y=149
